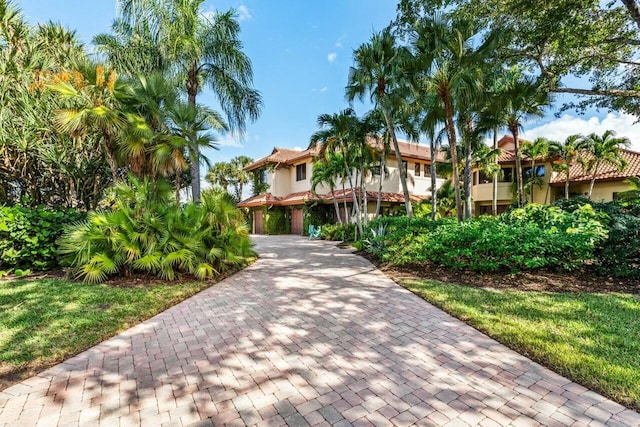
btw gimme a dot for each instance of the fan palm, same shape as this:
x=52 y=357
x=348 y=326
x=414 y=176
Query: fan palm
x=380 y=71
x=597 y=150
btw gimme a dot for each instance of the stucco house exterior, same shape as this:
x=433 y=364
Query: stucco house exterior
x=609 y=181
x=287 y=175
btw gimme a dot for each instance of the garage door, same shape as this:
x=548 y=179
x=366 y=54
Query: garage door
x=257 y=222
x=296 y=221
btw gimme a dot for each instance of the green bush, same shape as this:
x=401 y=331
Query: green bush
x=339 y=232
x=28 y=236
x=524 y=239
x=619 y=254
x=146 y=231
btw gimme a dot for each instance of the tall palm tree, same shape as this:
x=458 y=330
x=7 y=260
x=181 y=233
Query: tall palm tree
x=522 y=99
x=202 y=50
x=534 y=150
x=454 y=73
x=242 y=177
x=599 y=150
x=324 y=173
x=337 y=134
x=379 y=70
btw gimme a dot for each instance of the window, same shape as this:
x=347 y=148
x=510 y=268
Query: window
x=405 y=166
x=263 y=176
x=483 y=178
x=416 y=169
x=301 y=172
x=427 y=170
x=538 y=173
x=507 y=175
x=375 y=170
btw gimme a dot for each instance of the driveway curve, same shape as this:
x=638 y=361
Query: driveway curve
x=310 y=334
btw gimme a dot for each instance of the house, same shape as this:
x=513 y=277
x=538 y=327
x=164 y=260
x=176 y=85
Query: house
x=549 y=184
x=286 y=174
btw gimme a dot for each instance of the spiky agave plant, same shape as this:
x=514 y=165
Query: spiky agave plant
x=145 y=231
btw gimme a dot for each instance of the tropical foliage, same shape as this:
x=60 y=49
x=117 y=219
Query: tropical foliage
x=147 y=232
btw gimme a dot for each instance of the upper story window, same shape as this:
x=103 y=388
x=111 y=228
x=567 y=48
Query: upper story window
x=538 y=173
x=483 y=178
x=404 y=167
x=301 y=172
x=416 y=169
x=507 y=175
x=263 y=176
x=427 y=169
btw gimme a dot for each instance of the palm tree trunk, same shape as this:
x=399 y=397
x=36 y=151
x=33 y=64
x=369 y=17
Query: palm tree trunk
x=533 y=169
x=178 y=174
x=494 y=182
x=434 y=177
x=467 y=173
x=566 y=185
x=354 y=196
x=111 y=157
x=192 y=91
x=593 y=181
x=344 y=204
x=519 y=183
x=335 y=205
x=380 y=181
x=451 y=136
x=401 y=170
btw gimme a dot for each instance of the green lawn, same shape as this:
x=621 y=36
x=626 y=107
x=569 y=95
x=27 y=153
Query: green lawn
x=593 y=339
x=46 y=321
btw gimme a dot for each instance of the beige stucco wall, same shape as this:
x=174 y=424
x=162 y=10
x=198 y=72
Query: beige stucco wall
x=305 y=184
x=418 y=185
x=484 y=192
x=602 y=191
x=279 y=181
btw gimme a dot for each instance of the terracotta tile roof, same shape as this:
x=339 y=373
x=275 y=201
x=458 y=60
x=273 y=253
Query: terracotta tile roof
x=259 y=200
x=287 y=156
x=283 y=156
x=607 y=172
x=302 y=197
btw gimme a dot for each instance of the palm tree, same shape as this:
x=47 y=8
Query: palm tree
x=194 y=124
x=379 y=70
x=598 y=150
x=337 y=134
x=325 y=173
x=242 y=177
x=454 y=72
x=538 y=149
x=95 y=93
x=522 y=99
x=567 y=153
x=202 y=50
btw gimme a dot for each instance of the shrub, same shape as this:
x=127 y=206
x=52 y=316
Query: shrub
x=524 y=239
x=28 y=236
x=339 y=232
x=147 y=232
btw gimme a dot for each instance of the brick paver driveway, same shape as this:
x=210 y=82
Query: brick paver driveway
x=308 y=335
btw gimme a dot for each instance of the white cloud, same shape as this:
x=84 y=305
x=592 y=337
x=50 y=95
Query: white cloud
x=560 y=129
x=298 y=148
x=243 y=13
x=338 y=45
x=332 y=56
x=324 y=89
x=229 y=140
x=209 y=14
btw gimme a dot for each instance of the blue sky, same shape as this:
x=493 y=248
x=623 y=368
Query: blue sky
x=301 y=53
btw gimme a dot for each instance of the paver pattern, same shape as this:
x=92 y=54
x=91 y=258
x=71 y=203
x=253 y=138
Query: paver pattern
x=308 y=335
